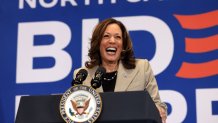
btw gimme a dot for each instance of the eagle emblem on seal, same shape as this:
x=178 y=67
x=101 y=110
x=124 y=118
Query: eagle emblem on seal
x=80 y=104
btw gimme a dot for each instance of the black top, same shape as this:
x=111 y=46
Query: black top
x=109 y=81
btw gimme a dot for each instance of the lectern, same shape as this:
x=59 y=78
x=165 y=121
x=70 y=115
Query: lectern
x=118 y=107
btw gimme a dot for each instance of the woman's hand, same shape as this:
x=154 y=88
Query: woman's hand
x=163 y=114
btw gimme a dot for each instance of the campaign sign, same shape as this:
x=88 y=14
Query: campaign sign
x=44 y=41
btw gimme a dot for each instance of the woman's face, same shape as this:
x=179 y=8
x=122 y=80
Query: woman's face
x=111 y=44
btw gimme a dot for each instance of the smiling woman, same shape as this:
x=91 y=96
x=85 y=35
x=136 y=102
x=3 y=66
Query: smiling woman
x=111 y=48
x=111 y=43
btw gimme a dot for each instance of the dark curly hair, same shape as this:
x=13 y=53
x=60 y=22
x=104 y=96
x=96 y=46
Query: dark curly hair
x=127 y=55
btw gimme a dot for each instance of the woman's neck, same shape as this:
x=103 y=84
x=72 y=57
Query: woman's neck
x=110 y=67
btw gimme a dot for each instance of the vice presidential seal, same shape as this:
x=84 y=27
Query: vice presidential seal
x=80 y=104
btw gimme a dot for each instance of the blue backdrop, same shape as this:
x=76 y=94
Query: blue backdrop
x=43 y=41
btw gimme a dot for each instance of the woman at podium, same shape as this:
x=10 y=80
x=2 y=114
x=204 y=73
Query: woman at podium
x=112 y=49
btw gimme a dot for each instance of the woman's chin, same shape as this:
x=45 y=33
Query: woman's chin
x=112 y=60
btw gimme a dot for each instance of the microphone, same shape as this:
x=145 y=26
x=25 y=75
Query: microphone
x=80 y=77
x=96 y=81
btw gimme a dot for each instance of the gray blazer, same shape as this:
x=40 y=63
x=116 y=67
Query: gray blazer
x=138 y=79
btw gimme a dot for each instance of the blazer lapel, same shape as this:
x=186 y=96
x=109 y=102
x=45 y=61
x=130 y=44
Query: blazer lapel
x=124 y=78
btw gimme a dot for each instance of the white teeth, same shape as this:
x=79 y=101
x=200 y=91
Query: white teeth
x=111 y=49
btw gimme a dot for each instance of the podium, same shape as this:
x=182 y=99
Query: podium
x=122 y=107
